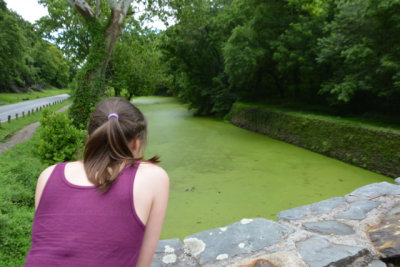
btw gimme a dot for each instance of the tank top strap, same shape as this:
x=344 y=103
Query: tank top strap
x=53 y=185
x=56 y=176
x=132 y=171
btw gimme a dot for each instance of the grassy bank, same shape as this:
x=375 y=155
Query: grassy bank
x=9 y=129
x=19 y=169
x=370 y=146
x=12 y=98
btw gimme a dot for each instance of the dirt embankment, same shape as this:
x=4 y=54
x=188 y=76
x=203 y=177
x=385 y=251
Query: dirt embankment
x=24 y=134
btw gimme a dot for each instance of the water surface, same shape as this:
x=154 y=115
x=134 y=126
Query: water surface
x=221 y=173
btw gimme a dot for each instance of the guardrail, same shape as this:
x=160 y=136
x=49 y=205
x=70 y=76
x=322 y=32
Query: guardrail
x=39 y=108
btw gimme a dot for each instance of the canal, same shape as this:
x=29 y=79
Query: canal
x=221 y=173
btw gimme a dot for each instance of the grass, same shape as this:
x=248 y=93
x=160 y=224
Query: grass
x=9 y=129
x=19 y=168
x=12 y=98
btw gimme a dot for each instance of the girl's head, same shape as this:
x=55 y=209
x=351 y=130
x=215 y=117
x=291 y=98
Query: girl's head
x=116 y=136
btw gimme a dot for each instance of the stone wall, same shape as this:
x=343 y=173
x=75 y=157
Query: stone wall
x=368 y=147
x=333 y=232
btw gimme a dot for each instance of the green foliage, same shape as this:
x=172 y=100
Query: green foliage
x=12 y=54
x=340 y=53
x=136 y=67
x=19 y=170
x=50 y=64
x=73 y=38
x=89 y=38
x=59 y=139
x=25 y=59
x=367 y=147
x=89 y=84
x=193 y=51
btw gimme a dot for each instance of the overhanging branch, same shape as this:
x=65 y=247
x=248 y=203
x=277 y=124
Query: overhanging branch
x=82 y=7
x=120 y=5
x=98 y=8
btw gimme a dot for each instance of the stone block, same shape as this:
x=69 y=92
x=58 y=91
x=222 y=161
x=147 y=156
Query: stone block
x=246 y=236
x=394 y=211
x=386 y=237
x=376 y=189
x=328 y=205
x=357 y=210
x=169 y=245
x=169 y=253
x=306 y=211
x=377 y=263
x=319 y=252
x=295 y=213
x=329 y=228
x=277 y=259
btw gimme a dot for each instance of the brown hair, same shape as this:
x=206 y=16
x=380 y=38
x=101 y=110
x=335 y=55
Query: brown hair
x=107 y=146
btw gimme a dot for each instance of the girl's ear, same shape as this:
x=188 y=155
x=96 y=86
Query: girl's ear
x=136 y=148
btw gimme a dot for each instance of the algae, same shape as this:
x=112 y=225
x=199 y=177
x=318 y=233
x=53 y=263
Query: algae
x=221 y=173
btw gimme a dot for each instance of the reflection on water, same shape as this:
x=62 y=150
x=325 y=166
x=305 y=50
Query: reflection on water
x=220 y=173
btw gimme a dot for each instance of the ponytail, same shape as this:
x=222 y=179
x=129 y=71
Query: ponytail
x=114 y=125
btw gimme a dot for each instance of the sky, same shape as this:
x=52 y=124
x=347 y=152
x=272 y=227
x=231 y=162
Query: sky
x=31 y=11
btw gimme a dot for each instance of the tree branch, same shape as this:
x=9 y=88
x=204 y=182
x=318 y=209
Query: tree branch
x=98 y=8
x=120 y=5
x=82 y=7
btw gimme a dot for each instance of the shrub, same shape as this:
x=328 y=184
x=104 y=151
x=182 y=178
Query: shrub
x=59 y=139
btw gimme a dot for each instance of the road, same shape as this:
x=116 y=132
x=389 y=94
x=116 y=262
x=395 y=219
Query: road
x=26 y=106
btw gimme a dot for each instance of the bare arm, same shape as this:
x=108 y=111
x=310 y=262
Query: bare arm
x=41 y=183
x=159 y=185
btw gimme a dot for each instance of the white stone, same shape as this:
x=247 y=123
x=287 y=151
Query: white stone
x=169 y=249
x=170 y=258
x=246 y=221
x=210 y=233
x=222 y=256
x=241 y=245
x=194 y=245
x=223 y=229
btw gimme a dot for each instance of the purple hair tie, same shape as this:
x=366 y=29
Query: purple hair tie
x=113 y=115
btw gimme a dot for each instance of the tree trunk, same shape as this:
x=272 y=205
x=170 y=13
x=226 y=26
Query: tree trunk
x=91 y=79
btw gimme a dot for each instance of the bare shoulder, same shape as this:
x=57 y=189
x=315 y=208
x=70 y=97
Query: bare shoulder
x=41 y=183
x=152 y=173
x=44 y=176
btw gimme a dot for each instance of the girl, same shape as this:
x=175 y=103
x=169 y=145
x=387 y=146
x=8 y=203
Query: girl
x=107 y=210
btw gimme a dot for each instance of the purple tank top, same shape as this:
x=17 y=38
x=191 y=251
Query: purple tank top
x=78 y=226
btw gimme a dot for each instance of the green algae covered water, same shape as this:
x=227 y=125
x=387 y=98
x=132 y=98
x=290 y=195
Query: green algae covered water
x=221 y=173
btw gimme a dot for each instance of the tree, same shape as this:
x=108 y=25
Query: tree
x=12 y=51
x=50 y=65
x=136 y=67
x=346 y=50
x=296 y=48
x=27 y=61
x=91 y=27
x=193 y=50
x=362 y=52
